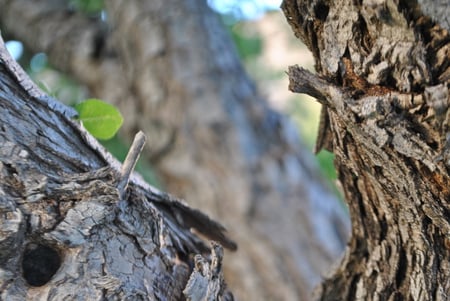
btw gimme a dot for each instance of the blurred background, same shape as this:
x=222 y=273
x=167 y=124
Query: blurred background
x=266 y=46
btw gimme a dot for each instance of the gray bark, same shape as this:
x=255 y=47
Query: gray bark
x=70 y=229
x=383 y=77
x=171 y=69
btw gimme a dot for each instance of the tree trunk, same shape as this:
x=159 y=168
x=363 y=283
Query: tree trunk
x=383 y=75
x=171 y=68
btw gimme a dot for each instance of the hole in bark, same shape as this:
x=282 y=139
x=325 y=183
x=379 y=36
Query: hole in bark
x=39 y=264
x=321 y=10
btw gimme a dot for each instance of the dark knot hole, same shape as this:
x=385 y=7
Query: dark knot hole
x=39 y=264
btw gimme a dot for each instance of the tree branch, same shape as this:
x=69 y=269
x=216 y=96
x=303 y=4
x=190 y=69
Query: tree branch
x=63 y=216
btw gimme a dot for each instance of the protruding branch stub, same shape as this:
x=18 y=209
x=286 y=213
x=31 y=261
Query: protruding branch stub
x=130 y=162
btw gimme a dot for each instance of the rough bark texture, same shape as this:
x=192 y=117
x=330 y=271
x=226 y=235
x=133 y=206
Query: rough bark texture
x=68 y=229
x=171 y=68
x=383 y=75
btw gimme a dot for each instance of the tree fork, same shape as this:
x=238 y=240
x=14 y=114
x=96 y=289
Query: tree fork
x=383 y=78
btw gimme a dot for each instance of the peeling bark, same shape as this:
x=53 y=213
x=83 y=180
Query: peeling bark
x=70 y=230
x=383 y=78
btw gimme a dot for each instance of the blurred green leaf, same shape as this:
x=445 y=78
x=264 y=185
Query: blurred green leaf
x=101 y=119
x=326 y=163
x=88 y=6
x=248 y=44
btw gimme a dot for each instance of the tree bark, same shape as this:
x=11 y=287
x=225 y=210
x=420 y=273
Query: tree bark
x=383 y=75
x=74 y=228
x=172 y=70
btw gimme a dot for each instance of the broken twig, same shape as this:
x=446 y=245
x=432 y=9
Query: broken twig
x=130 y=161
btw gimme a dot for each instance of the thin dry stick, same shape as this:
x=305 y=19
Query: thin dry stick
x=130 y=161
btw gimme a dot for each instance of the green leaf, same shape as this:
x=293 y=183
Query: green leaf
x=101 y=119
